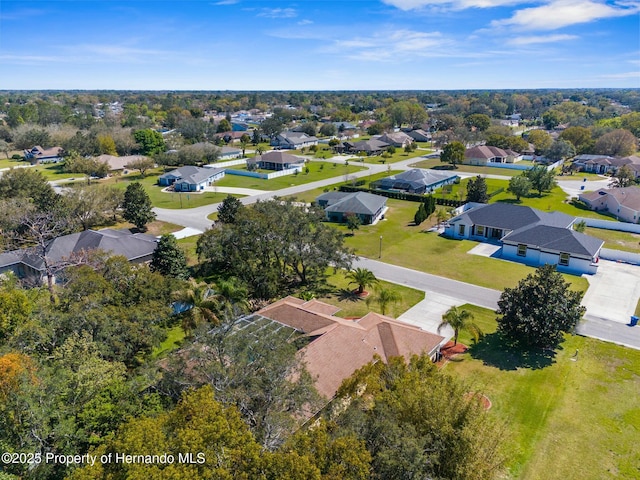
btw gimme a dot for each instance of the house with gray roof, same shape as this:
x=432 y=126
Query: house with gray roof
x=370 y=147
x=368 y=207
x=293 y=140
x=137 y=248
x=606 y=164
x=416 y=180
x=529 y=236
x=420 y=135
x=190 y=178
x=276 y=160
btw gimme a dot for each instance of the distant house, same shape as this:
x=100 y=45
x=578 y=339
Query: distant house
x=368 y=207
x=276 y=160
x=137 y=248
x=339 y=347
x=420 y=135
x=119 y=163
x=484 y=155
x=38 y=154
x=621 y=202
x=529 y=236
x=605 y=164
x=293 y=140
x=190 y=178
x=229 y=137
x=229 y=153
x=370 y=147
x=416 y=181
x=397 y=139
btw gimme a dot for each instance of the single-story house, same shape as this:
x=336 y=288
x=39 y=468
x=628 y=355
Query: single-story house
x=484 y=155
x=529 y=236
x=606 y=164
x=293 y=140
x=416 y=181
x=368 y=207
x=419 y=135
x=229 y=137
x=137 y=248
x=229 y=153
x=622 y=202
x=339 y=347
x=118 y=163
x=370 y=147
x=276 y=160
x=190 y=178
x=397 y=139
x=38 y=154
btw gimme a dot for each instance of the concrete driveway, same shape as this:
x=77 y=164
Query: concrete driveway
x=573 y=188
x=613 y=292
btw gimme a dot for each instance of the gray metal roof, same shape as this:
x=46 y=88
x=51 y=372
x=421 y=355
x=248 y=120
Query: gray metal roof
x=557 y=239
x=415 y=178
x=192 y=175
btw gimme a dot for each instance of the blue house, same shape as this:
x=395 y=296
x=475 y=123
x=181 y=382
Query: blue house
x=190 y=179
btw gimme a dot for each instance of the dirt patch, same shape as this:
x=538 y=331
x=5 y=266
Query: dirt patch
x=482 y=399
x=448 y=351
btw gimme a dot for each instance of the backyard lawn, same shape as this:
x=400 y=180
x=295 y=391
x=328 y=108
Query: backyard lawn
x=629 y=242
x=317 y=171
x=567 y=416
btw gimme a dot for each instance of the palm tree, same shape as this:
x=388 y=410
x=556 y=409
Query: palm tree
x=200 y=305
x=230 y=294
x=384 y=297
x=460 y=320
x=362 y=277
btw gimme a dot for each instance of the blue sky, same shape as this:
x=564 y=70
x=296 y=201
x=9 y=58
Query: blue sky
x=319 y=45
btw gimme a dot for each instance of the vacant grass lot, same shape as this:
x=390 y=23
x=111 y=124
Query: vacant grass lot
x=629 y=242
x=317 y=171
x=437 y=164
x=414 y=247
x=568 y=418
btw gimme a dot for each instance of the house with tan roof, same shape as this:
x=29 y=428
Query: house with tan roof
x=484 y=155
x=38 y=154
x=276 y=160
x=119 y=163
x=397 y=139
x=605 y=164
x=338 y=347
x=624 y=203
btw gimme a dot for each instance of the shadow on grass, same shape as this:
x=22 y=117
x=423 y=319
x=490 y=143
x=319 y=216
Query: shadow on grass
x=494 y=351
x=346 y=295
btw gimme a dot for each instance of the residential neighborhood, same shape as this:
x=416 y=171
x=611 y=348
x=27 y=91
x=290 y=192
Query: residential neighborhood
x=299 y=265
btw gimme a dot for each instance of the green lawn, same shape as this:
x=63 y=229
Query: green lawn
x=9 y=163
x=566 y=418
x=629 y=242
x=637 y=313
x=189 y=246
x=399 y=156
x=317 y=171
x=432 y=253
x=352 y=306
x=168 y=199
x=53 y=171
x=437 y=164
x=175 y=336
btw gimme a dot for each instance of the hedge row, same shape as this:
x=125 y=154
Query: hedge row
x=411 y=197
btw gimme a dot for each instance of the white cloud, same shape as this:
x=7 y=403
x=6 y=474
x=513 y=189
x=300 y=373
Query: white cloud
x=407 y=5
x=392 y=45
x=226 y=2
x=305 y=22
x=22 y=14
x=562 y=13
x=278 y=13
x=623 y=75
x=541 y=39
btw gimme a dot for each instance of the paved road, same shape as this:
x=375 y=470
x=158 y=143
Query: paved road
x=458 y=293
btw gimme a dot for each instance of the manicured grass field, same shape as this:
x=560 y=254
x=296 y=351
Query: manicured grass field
x=168 y=199
x=568 y=417
x=352 y=306
x=9 y=162
x=629 y=242
x=436 y=163
x=399 y=156
x=175 y=336
x=317 y=171
x=414 y=247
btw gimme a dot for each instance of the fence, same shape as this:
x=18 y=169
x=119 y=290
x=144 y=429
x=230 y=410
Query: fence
x=610 y=225
x=620 y=256
x=264 y=176
x=229 y=163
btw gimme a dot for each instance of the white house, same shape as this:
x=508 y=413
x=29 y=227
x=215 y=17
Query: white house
x=293 y=140
x=485 y=155
x=190 y=178
x=624 y=203
x=528 y=236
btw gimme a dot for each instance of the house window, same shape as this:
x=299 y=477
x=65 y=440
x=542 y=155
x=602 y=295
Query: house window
x=522 y=250
x=480 y=230
x=564 y=259
x=461 y=230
